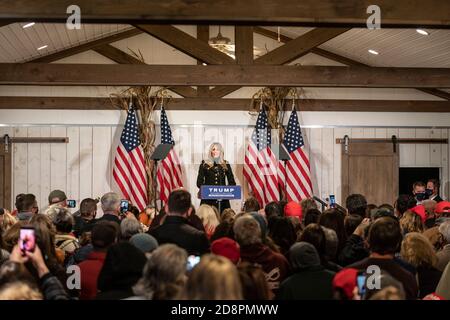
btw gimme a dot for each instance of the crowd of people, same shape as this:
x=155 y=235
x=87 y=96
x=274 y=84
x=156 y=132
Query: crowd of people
x=283 y=251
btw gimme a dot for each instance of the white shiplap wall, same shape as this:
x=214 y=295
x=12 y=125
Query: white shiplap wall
x=83 y=166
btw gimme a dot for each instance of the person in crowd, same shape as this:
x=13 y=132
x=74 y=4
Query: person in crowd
x=51 y=287
x=111 y=207
x=146 y=217
x=176 y=229
x=381 y=212
x=4 y=255
x=386 y=281
x=308 y=204
x=195 y=221
x=272 y=209
x=228 y=215
x=418 y=251
x=57 y=197
x=26 y=207
x=253 y=281
x=215 y=170
x=388 y=208
x=444 y=255
x=20 y=291
x=433 y=186
x=331 y=248
x=129 y=227
x=356 y=204
x=430 y=220
x=7 y=220
x=384 y=239
x=436 y=239
x=419 y=191
x=315 y=235
x=404 y=202
x=227 y=248
x=224 y=229
x=312 y=216
x=310 y=280
x=224 y=285
x=351 y=222
x=282 y=232
x=293 y=211
x=411 y=222
x=121 y=270
x=209 y=218
x=164 y=275
x=251 y=205
x=104 y=235
x=64 y=238
x=86 y=219
x=11 y=236
x=334 y=220
x=443 y=288
x=144 y=242
x=370 y=207
x=247 y=232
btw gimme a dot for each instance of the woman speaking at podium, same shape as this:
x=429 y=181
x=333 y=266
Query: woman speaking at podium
x=213 y=171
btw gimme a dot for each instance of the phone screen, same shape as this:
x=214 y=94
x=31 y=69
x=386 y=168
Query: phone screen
x=27 y=239
x=124 y=206
x=71 y=203
x=332 y=201
x=192 y=261
x=361 y=285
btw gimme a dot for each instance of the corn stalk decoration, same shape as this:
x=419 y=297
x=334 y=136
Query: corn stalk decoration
x=275 y=101
x=145 y=101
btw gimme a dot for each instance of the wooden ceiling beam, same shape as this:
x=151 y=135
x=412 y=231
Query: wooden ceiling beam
x=84 y=103
x=399 y=13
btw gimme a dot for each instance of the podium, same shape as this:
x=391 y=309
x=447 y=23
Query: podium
x=220 y=193
x=160 y=153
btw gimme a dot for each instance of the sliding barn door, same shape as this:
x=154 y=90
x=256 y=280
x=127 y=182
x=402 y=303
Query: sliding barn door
x=5 y=177
x=370 y=169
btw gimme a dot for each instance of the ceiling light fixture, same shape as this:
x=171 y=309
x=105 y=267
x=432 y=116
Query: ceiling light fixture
x=373 y=52
x=28 y=25
x=224 y=45
x=422 y=32
x=43 y=47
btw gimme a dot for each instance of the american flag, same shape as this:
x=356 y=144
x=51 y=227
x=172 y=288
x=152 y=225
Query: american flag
x=260 y=164
x=129 y=164
x=297 y=171
x=169 y=170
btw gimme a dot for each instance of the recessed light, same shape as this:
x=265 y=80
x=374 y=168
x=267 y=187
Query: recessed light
x=373 y=52
x=422 y=32
x=43 y=47
x=28 y=25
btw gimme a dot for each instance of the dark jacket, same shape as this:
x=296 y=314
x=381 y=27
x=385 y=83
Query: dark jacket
x=52 y=288
x=109 y=217
x=354 y=250
x=314 y=283
x=275 y=265
x=121 y=270
x=428 y=280
x=176 y=229
x=395 y=270
x=213 y=176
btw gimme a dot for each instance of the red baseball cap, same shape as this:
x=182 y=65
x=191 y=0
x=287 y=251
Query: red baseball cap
x=293 y=209
x=345 y=280
x=227 y=248
x=420 y=210
x=441 y=207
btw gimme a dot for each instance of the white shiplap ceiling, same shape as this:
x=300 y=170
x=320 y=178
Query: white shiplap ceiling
x=18 y=44
x=396 y=47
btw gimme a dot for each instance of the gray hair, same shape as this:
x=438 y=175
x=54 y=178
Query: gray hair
x=110 y=201
x=444 y=229
x=164 y=273
x=61 y=218
x=129 y=227
x=247 y=230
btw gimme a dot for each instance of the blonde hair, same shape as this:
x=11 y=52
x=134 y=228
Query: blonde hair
x=411 y=222
x=19 y=291
x=8 y=221
x=228 y=215
x=208 y=216
x=418 y=250
x=214 y=278
x=210 y=160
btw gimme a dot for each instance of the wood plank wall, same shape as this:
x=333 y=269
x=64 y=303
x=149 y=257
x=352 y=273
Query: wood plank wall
x=83 y=166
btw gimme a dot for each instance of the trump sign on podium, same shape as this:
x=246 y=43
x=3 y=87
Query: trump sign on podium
x=220 y=192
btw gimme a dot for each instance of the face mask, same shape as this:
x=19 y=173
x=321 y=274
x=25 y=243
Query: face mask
x=421 y=196
x=429 y=192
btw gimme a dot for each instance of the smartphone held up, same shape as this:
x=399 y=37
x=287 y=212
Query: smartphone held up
x=27 y=239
